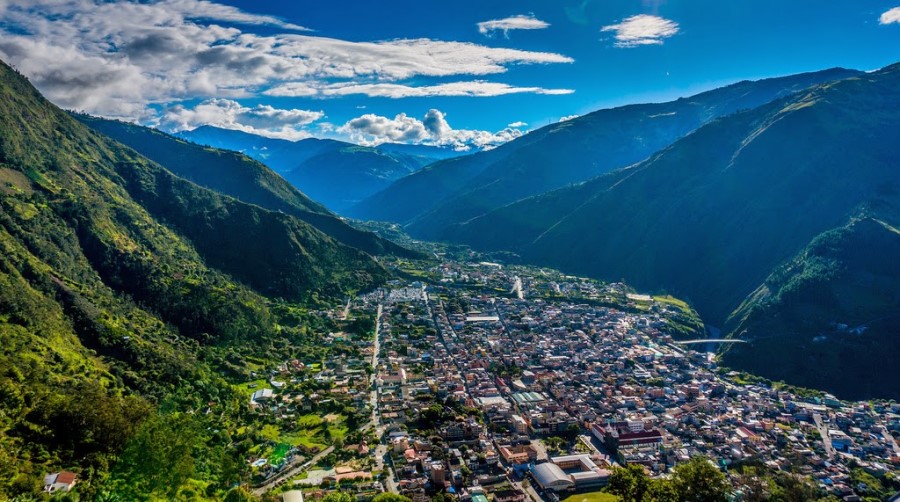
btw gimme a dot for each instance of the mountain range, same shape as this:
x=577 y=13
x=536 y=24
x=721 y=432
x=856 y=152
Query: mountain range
x=710 y=216
x=456 y=190
x=723 y=198
x=336 y=173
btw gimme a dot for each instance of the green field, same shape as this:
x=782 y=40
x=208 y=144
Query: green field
x=591 y=497
x=278 y=454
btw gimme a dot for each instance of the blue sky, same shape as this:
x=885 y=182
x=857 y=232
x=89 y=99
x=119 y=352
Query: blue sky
x=372 y=71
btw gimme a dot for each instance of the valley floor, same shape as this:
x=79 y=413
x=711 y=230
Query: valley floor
x=483 y=373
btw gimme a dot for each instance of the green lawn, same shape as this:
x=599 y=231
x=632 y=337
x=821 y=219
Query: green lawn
x=591 y=497
x=671 y=300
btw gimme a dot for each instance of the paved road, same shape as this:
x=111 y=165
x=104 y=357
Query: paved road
x=291 y=471
x=887 y=435
x=381 y=449
x=823 y=431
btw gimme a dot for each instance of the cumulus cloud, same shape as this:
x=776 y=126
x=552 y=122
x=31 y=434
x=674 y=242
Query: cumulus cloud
x=371 y=129
x=520 y=22
x=263 y=120
x=477 y=88
x=890 y=16
x=518 y=124
x=114 y=58
x=642 y=29
x=568 y=117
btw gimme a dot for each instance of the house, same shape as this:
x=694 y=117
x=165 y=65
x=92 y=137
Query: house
x=59 y=481
x=509 y=496
x=261 y=395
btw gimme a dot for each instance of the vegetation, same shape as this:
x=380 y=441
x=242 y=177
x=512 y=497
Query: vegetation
x=832 y=313
x=131 y=302
x=453 y=191
x=695 y=481
x=706 y=220
x=238 y=176
x=592 y=497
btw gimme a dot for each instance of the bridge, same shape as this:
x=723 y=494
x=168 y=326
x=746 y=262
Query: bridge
x=709 y=340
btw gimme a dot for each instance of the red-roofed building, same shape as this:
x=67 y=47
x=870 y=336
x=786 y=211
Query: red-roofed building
x=59 y=481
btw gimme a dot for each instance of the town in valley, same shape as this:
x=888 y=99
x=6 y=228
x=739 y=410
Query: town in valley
x=481 y=381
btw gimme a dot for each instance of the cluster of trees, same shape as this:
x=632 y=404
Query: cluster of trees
x=695 y=481
x=700 y=481
x=346 y=497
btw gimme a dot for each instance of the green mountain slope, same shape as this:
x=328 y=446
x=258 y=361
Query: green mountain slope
x=235 y=174
x=710 y=216
x=454 y=191
x=125 y=289
x=830 y=317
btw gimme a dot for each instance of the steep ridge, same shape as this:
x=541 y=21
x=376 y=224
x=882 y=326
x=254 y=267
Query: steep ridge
x=237 y=175
x=454 y=191
x=830 y=317
x=710 y=216
x=123 y=284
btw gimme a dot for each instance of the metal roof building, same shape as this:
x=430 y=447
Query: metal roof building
x=550 y=477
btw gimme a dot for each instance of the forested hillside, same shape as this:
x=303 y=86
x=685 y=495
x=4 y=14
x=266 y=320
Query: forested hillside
x=128 y=297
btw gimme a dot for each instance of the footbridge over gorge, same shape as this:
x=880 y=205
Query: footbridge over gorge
x=709 y=340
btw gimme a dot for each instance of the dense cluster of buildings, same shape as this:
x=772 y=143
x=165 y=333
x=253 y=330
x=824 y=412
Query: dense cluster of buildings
x=474 y=382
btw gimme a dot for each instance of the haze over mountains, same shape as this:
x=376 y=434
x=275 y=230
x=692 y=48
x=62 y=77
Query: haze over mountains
x=335 y=173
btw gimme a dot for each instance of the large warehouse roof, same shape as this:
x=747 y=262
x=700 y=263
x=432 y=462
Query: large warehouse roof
x=549 y=475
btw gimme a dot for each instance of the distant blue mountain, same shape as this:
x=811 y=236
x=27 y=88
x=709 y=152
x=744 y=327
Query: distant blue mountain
x=336 y=173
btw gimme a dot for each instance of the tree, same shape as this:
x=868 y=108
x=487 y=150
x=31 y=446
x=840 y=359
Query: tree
x=239 y=494
x=793 y=488
x=661 y=490
x=755 y=488
x=391 y=497
x=700 y=481
x=338 y=497
x=160 y=458
x=554 y=443
x=630 y=483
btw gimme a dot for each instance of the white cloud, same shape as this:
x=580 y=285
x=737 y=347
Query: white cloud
x=518 y=124
x=520 y=22
x=203 y=9
x=890 y=16
x=263 y=120
x=114 y=58
x=371 y=129
x=568 y=117
x=642 y=29
x=477 y=88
